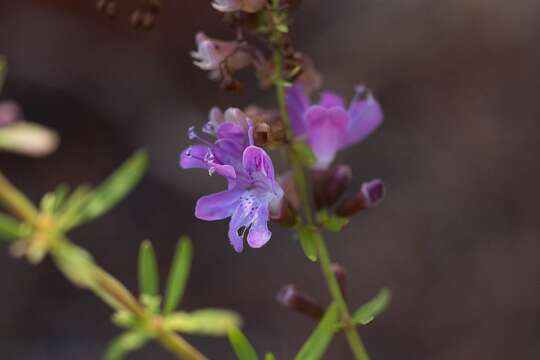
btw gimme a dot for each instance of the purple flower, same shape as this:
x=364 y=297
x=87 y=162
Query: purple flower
x=329 y=126
x=253 y=191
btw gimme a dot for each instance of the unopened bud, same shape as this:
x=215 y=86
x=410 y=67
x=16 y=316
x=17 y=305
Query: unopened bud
x=136 y=19
x=111 y=9
x=154 y=6
x=329 y=185
x=261 y=134
x=289 y=296
x=370 y=194
x=107 y=7
x=28 y=139
x=148 y=20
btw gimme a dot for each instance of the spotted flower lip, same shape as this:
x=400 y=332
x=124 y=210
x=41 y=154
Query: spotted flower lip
x=250 y=6
x=329 y=126
x=252 y=192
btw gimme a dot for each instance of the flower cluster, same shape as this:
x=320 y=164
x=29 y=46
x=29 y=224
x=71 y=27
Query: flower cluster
x=252 y=191
x=232 y=146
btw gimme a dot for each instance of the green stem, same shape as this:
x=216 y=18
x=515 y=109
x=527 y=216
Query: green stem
x=301 y=186
x=13 y=200
x=79 y=268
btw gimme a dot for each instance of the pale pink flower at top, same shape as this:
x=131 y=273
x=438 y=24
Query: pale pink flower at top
x=250 y=6
x=216 y=55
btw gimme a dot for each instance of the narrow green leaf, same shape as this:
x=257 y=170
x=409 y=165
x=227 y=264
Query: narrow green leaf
x=60 y=194
x=304 y=153
x=10 y=228
x=72 y=209
x=117 y=186
x=269 y=356
x=124 y=344
x=210 y=322
x=241 y=345
x=47 y=203
x=331 y=222
x=148 y=271
x=178 y=275
x=308 y=238
x=367 y=312
x=315 y=346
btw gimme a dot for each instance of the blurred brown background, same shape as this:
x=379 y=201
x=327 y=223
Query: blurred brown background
x=457 y=238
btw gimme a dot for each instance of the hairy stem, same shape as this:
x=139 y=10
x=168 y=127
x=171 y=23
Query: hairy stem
x=301 y=186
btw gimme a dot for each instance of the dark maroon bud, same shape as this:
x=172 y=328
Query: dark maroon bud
x=370 y=194
x=148 y=20
x=111 y=9
x=341 y=277
x=231 y=84
x=136 y=19
x=100 y=5
x=289 y=296
x=154 y=6
x=330 y=184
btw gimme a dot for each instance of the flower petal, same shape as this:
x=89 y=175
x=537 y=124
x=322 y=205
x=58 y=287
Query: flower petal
x=330 y=99
x=256 y=159
x=193 y=157
x=243 y=216
x=258 y=233
x=231 y=131
x=326 y=132
x=366 y=116
x=217 y=206
x=297 y=104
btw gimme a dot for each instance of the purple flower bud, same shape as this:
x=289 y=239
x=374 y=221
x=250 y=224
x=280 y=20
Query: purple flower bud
x=250 y=6
x=330 y=184
x=373 y=192
x=370 y=194
x=28 y=139
x=289 y=296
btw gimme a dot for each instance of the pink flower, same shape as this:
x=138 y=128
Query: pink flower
x=329 y=126
x=218 y=55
